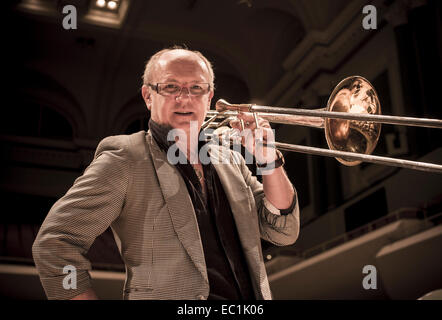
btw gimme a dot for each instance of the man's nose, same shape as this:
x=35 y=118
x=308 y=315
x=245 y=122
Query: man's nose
x=181 y=94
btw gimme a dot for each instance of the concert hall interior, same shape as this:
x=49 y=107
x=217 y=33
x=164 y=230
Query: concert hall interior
x=67 y=89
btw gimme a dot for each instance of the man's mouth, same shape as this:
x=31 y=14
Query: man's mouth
x=183 y=113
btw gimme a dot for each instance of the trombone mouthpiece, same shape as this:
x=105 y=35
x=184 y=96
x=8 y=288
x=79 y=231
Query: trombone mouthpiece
x=222 y=105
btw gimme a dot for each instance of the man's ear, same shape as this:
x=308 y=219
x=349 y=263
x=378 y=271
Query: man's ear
x=210 y=99
x=146 y=96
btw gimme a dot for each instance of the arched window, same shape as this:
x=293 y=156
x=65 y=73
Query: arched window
x=31 y=119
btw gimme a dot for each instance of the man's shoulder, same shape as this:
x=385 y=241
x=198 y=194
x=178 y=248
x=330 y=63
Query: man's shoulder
x=131 y=146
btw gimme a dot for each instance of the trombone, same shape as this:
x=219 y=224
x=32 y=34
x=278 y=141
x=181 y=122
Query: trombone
x=351 y=121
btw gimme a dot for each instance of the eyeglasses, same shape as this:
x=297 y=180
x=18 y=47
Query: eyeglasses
x=173 y=89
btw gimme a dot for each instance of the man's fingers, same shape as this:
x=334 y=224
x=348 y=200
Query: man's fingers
x=254 y=138
x=264 y=123
x=235 y=124
x=246 y=116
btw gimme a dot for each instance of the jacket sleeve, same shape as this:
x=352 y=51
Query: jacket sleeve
x=279 y=229
x=88 y=208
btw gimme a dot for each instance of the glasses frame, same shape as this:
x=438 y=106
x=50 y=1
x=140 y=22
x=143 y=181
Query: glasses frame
x=156 y=88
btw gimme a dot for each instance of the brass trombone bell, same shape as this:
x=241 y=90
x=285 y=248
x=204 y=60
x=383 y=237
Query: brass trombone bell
x=357 y=96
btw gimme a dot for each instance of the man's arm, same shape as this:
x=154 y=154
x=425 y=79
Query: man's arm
x=73 y=223
x=278 y=188
x=275 y=198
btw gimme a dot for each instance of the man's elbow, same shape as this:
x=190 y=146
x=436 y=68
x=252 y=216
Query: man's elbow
x=37 y=250
x=42 y=252
x=293 y=236
x=289 y=238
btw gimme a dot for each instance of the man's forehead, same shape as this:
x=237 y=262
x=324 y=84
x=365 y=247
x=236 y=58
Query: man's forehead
x=180 y=56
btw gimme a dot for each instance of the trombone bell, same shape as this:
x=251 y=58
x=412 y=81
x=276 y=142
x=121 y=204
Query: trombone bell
x=357 y=96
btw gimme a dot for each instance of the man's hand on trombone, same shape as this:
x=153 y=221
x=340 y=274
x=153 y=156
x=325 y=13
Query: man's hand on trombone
x=259 y=139
x=257 y=136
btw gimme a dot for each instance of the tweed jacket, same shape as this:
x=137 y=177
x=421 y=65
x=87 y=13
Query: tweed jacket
x=131 y=187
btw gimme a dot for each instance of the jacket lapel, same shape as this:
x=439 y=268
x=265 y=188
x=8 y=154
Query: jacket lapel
x=238 y=194
x=179 y=205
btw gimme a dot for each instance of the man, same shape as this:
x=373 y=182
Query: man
x=186 y=230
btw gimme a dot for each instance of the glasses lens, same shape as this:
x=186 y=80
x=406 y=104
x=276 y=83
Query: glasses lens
x=168 y=88
x=199 y=89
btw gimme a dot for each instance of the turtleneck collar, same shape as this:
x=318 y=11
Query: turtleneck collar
x=160 y=132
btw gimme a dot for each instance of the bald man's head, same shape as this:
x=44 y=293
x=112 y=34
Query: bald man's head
x=179 y=54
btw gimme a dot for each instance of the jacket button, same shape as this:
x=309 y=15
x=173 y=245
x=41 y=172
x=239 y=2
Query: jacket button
x=200 y=297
